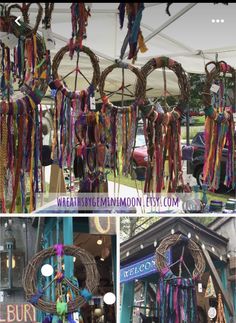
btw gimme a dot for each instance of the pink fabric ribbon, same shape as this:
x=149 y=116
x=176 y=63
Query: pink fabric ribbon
x=59 y=248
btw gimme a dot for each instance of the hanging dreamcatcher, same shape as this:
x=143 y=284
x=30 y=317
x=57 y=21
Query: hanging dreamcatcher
x=163 y=131
x=123 y=120
x=80 y=130
x=24 y=60
x=219 y=126
x=176 y=294
x=69 y=296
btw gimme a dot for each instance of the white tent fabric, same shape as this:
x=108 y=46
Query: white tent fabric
x=188 y=36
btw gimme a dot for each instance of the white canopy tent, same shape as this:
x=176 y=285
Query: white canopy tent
x=188 y=36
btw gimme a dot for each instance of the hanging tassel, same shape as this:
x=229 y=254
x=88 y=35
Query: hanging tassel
x=141 y=44
x=121 y=9
x=136 y=24
x=3 y=160
x=19 y=159
x=176 y=299
x=134 y=34
x=220 y=311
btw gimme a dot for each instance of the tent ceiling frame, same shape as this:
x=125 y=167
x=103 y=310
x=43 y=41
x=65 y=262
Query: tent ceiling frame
x=65 y=40
x=115 y=11
x=167 y=23
x=170 y=39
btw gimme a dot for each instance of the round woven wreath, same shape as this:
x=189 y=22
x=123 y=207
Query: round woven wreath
x=30 y=278
x=194 y=249
x=139 y=92
x=37 y=92
x=25 y=14
x=183 y=82
x=58 y=84
x=218 y=68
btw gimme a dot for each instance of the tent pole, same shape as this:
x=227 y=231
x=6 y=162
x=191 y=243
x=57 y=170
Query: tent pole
x=170 y=39
x=170 y=21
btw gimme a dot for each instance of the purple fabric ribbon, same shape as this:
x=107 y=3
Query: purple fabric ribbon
x=48 y=319
x=59 y=248
x=70 y=318
x=164 y=271
x=34 y=299
x=121 y=9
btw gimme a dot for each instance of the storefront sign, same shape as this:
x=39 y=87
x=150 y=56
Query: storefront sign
x=141 y=268
x=12 y=313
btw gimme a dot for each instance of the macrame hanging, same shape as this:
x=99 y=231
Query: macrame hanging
x=163 y=133
x=24 y=59
x=69 y=295
x=219 y=128
x=134 y=36
x=176 y=295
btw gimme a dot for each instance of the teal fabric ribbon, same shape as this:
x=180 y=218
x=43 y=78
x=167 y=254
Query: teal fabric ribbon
x=86 y=294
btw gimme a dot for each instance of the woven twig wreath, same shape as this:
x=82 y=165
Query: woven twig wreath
x=174 y=66
x=195 y=250
x=25 y=13
x=40 y=85
x=30 y=277
x=218 y=68
x=57 y=84
x=139 y=93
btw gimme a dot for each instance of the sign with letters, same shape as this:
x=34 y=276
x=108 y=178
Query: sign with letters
x=13 y=313
x=142 y=268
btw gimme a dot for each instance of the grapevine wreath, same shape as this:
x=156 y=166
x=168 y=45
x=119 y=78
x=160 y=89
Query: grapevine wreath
x=176 y=295
x=84 y=130
x=219 y=126
x=194 y=249
x=37 y=296
x=164 y=126
x=58 y=84
x=123 y=119
x=31 y=66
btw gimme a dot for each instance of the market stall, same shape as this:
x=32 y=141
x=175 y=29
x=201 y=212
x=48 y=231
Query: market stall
x=95 y=108
x=172 y=253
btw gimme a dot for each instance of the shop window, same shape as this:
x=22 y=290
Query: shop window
x=144 y=301
x=17 y=267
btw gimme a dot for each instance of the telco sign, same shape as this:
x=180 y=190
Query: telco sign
x=142 y=268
